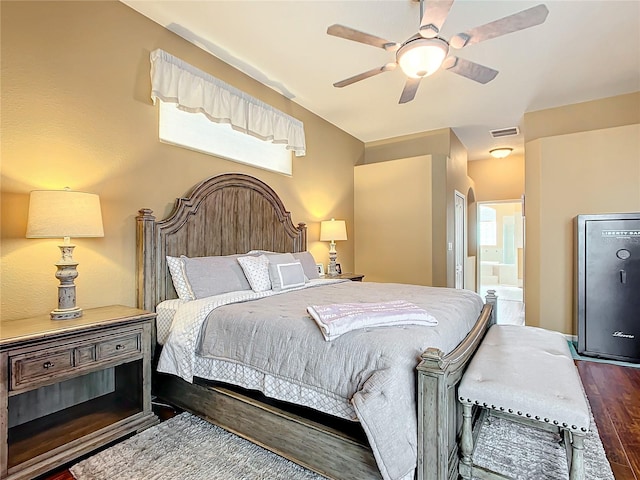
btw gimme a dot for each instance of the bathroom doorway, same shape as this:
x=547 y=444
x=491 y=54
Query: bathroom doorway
x=501 y=256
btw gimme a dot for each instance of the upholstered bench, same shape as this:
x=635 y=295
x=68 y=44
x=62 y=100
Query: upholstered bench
x=525 y=374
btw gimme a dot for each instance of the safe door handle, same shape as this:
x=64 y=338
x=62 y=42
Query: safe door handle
x=623 y=276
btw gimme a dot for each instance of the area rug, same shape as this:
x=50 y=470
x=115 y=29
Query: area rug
x=188 y=448
x=524 y=452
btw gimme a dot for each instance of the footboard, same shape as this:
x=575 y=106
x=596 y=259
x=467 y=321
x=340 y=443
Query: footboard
x=439 y=414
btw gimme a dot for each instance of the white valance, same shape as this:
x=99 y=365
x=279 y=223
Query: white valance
x=173 y=80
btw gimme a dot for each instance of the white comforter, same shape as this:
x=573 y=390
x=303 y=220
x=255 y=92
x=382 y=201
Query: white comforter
x=269 y=342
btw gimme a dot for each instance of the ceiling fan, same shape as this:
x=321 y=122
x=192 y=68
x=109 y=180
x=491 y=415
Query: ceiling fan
x=426 y=52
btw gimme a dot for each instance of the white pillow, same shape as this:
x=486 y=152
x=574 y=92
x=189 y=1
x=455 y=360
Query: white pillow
x=179 y=278
x=256 y=269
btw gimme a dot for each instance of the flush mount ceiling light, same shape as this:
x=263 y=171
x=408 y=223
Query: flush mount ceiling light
x=421 y=57
x=501 y=152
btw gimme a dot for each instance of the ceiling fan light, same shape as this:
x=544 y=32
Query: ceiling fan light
x=421 y=57
x=501 y=152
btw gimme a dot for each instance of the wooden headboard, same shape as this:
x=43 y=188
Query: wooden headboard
x=223 y=215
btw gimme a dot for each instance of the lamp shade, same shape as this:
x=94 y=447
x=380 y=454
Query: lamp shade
x=421 y=57
x=332 y=230
x=64 y=213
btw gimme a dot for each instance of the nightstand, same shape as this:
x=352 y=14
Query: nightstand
x=68 y=387
x=354 y=277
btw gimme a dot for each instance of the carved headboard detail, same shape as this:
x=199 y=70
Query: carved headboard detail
x=223 y=215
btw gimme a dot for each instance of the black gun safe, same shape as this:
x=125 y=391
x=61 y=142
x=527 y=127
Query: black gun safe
x=608 y=286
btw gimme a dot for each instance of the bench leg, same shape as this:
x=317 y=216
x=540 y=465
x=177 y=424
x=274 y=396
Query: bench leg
x=577 y=457
x=466 y=443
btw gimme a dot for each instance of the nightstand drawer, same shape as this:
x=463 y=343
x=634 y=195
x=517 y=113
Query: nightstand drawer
x=28 y=369
x=53 y=363
x=123 y=346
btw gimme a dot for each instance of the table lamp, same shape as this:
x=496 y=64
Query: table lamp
x=330 y=231
x=64 y=214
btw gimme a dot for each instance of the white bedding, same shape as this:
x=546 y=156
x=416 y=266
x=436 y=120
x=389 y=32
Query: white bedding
x=286 y=356
x=164 y=319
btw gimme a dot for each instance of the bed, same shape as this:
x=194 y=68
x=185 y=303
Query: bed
x=235 y=214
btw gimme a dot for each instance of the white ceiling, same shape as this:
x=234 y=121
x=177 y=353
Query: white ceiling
x=585 y=50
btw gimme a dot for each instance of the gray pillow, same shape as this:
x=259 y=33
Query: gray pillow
x=214 y=275
x=308 y=264
x=285 y=272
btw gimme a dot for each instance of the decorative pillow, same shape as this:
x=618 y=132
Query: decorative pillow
x=256 y=269
x=285 y=272
x=209 y=276
x=179 y=278
x=308 y=264
x=286 y=275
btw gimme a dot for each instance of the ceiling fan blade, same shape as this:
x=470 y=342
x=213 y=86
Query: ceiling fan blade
x=410 y=90
x=363 y=75
x=435 y=13
x=358 y=36
x=518 y=21
x=471 y=70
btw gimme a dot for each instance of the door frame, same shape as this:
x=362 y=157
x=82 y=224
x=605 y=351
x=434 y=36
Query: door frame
x=459 y=238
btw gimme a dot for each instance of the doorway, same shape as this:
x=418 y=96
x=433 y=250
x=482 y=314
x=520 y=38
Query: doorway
x=501 y=256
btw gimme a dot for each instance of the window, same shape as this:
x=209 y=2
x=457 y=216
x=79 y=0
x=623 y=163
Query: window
x=196 y=132
x=203 y=113
x=488 y=225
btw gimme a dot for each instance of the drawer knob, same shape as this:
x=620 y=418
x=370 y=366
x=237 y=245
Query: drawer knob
x=119 y=347
x=47 y=365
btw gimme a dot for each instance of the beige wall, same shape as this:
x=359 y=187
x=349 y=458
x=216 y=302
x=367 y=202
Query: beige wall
x=583 y=117
x=393 y=207
x=433 y=143
x=448 y=174
x=498 y=178
x=579 y=172
x=76 y=112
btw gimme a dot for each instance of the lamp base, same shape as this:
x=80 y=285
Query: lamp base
x=66 y=273
x=332 y=261
x=66 y=314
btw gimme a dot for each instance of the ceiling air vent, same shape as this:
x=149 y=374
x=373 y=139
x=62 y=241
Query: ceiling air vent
x=505 y=132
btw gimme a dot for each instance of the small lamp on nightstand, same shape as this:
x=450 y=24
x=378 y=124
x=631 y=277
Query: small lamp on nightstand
x=65 y=214
x=330 y=231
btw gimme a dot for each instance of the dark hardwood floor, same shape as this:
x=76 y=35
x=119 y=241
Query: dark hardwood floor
x=614 y=395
